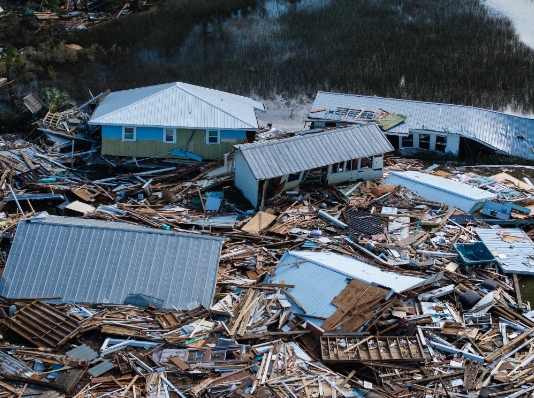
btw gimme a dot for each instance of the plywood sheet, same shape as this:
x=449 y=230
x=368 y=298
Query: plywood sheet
x=259 y=222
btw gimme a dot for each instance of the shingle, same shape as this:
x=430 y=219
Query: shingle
x=99 y=261
x=275 y=158
x=496 y=129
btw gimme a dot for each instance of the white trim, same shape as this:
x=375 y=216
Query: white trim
x=134 y=133
x=208 y=137
x=174 y=134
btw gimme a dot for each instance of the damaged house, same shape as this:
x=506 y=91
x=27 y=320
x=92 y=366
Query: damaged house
x=93 y=261
x=264 y=169
x=341 y=279
x=175 y=119
x=415 y=126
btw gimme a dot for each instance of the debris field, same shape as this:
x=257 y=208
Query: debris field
x=402 y=286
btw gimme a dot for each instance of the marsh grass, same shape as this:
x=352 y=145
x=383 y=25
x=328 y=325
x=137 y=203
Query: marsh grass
x=453 y=51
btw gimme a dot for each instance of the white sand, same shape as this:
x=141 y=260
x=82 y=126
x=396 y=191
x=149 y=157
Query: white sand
x=285 y=114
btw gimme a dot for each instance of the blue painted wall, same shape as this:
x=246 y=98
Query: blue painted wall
x=233 y=134
x=156 y=133
x=112 y=132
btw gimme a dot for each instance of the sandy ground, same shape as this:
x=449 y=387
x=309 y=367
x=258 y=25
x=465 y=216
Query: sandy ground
x=285 y=114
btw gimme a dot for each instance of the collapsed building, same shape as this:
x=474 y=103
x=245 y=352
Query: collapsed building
x=416 y=126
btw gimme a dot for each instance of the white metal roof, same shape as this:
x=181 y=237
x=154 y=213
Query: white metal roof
x=439 y=189
x=268 y=159
x=331 y=272
x=510 y=134
x=177 y=105
x=516 y=257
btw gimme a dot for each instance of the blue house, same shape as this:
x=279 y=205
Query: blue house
x=175 y=119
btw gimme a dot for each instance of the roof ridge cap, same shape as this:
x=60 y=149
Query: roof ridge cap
x=209 y=103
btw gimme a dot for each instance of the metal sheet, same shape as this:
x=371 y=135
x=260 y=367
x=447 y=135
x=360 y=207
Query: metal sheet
x=510 y=134
x=332 y=272
x=274 y=158
x=97 y=261
x=177 y=105
x=452 y=193
x=82 y=352
x=101 y=368
x=516 y=257
x=11 y=366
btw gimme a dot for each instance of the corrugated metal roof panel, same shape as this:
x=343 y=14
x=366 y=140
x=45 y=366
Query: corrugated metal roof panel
x=444 y=190
x=495 y=129
x=275 y=158
x=11 y=366
x=515 y=258
x=177 y=105
x=82 y=352
x=99 y=261
x=332 y=272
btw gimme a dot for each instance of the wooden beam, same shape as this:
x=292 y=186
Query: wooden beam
x=517 y=291
x=505 y=348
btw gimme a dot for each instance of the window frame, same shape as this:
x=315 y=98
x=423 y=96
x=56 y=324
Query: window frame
x=124 y=133
x=174 y=135
x=208 y=137
x=426 y=143
x=408 y=139
x=441 y=144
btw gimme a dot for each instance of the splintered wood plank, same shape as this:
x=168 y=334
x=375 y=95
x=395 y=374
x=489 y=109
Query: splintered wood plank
x=243 y=307
x=259 y=222
x=352 y=304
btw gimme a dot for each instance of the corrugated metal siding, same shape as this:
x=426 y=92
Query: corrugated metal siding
x=515 y=257
x=177 y=105
x=439 y=189
x=97 y=262
x=290 y=155
x=495 y=129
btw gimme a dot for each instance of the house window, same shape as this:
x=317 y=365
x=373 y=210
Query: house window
x=407 y=142
x=424 y=141
x=441 y=143
x=169 y=136
x=128 y=133
x=213 y=137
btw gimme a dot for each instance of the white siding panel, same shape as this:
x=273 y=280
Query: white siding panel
x=245 y=181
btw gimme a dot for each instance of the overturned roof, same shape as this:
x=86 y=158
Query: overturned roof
x=93 y=261
x=452 y=193
x=332 y=271
x=275 y=158
x=509 y=134
x=177 y=105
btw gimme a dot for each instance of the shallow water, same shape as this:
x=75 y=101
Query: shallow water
x=521 y=13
